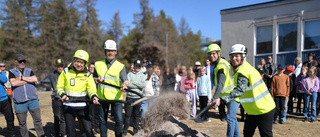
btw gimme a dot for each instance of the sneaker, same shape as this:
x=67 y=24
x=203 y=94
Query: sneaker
x=198 y=120
x=124 y=134
x=305 y=120
x=202 y=120
x=313 y=121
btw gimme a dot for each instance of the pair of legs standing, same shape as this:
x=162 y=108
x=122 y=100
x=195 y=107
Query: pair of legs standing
x=313 y=99
x=233 y=128
x=59 y=121
x=6 y=110
x=191 y=95
x=21 y=110
x=83 y=116
x=135 y=111
x=263 y=122
x=103 y=109
x=280 y=108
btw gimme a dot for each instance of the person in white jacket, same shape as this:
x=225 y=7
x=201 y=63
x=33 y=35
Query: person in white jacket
x=204 y=92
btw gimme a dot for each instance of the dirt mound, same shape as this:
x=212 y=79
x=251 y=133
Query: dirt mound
x=160 y=118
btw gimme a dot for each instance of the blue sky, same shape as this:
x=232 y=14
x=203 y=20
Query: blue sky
x=203 y=15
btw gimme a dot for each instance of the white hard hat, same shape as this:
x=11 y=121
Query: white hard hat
x=197 y=63
x=238 y=48
x=110 y=45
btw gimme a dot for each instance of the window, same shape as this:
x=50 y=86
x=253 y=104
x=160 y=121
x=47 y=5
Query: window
x=264 y=39
x=287 y=58
x=288 y=37
x=312 y=35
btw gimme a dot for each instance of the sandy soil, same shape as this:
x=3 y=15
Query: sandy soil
x=293 y=127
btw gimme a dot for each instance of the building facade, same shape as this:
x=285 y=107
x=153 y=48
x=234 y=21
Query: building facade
x=284 y=29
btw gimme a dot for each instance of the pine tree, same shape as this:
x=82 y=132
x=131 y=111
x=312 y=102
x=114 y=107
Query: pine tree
x=15 y=29
x=90 y=34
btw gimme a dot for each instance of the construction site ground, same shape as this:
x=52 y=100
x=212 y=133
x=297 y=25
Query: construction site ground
x=293 y=127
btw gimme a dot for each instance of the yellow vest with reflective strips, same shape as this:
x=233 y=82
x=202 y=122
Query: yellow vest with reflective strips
x=76 y=86
x=228 y=84
x=111 y=76
x=257 y=99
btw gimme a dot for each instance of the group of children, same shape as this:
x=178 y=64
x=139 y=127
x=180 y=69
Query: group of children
x=197 y=88
x=307 y=86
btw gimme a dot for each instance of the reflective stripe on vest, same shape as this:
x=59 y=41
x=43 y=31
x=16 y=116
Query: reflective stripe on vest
x=112 y=76
x=262 y=95
x=81 y=104
x=59 y=91
x=76 y=94
x=255 y=85
x=256 y=100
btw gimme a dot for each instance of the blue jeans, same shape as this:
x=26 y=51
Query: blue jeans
x=233 y=128
x=144 y=107
x=103 y=109
x=313 y=99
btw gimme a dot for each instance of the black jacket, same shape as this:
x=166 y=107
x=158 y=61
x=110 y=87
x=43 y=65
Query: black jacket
x=50 y=81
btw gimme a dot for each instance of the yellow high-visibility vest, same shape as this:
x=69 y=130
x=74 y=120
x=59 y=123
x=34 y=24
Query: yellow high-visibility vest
x=228 y=85
x=257 y=99
x=111 y=76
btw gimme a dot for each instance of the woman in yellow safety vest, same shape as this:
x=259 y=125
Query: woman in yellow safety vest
x=252 y=92
x=76 y=82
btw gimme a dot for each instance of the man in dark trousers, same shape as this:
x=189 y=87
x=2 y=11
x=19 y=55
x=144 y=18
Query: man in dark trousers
x=270 y=69
x=25 y=96
x=5 y=105
x=50 y=81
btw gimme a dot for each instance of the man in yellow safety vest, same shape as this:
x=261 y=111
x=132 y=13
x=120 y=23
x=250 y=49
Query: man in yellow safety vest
x=113 y=72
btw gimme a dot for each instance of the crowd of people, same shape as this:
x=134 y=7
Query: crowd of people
x=87 y=91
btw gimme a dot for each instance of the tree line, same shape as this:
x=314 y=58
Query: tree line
x=44 y=30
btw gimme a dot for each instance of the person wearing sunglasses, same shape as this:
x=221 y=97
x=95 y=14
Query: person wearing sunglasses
x=25 y=97
x=50 y=82
x=7 y=85
x=5 y=103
